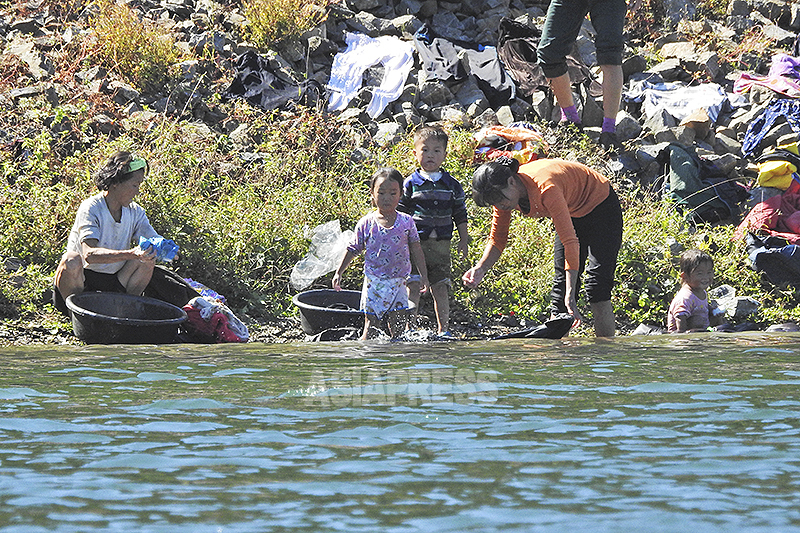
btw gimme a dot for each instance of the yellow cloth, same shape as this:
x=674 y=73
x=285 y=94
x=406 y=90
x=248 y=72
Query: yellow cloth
x=777 y=174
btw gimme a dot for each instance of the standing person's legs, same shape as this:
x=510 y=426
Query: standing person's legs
x=562 y=90
x=413 y=284
x=370 y=321
x=561 y=28
x=441 y=304
x=383 y=298
x=601 y=232
x=612 y=93
x=608 y=19
x=437 y=257
x=414 y=297
x=612 y=90
x=604 y=319
x=559 y=291
x=396 y=322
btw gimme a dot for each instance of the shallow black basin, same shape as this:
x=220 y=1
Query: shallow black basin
x=326 y=308
x=113 y=317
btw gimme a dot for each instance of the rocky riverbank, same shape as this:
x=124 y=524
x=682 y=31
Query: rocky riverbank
x=460 y=92
x=455 y=75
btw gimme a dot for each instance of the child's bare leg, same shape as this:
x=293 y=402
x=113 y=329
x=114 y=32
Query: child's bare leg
x=413 y=301
x=369 y=320
x=397 y=322
x=441 y=304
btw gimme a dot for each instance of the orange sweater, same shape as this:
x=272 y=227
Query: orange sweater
x=558 y=189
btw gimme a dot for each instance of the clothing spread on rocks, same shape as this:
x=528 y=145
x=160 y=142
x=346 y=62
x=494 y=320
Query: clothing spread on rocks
x=263 y=83
x=363 y=52
x=678 y=99
x=787 y=109
x=442 y=60
x=783 y=77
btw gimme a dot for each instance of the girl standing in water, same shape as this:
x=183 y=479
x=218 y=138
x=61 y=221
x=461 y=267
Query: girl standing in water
x=390 y=240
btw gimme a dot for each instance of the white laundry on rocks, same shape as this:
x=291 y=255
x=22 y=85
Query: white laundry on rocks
x=363 y=52
x=679 y=99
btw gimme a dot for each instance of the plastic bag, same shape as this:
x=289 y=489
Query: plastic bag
x=166 y=249
x=328 y=247
x=205 y=292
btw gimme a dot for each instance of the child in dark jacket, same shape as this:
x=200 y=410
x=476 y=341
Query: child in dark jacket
x=436 y=201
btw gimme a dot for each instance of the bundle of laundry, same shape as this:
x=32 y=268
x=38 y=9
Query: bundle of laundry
x=778 y=261
x=520 y=141
x=206 y=292
x=698 y=188
x=778 y=216
x=212 y=321
x=262 y=82
x=778 y=168
x=517 y=46
x=772 y=228
x=444 y=60
x=363 y=52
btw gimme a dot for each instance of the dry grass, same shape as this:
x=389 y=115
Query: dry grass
x=270 y=21
x=753 y=45
x=137 y=50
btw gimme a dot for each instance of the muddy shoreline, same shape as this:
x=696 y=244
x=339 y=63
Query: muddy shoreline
x=53 y=329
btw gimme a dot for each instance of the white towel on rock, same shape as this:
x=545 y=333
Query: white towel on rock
x=363 y=52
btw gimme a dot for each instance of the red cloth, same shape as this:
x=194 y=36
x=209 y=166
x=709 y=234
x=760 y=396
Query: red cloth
x=778 y=216
x=215 y=329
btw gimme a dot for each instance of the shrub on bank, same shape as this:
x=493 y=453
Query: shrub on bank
x=271 y=20
x=137 y=50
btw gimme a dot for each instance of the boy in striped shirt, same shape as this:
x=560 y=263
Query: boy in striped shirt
x=436 y=200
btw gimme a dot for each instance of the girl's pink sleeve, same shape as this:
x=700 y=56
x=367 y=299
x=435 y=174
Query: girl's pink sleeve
x=358 y=243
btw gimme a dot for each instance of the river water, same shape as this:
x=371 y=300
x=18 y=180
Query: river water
x=639 y=434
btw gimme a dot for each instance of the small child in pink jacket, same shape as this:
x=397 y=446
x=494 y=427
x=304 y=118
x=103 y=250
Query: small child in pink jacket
x=690 y=310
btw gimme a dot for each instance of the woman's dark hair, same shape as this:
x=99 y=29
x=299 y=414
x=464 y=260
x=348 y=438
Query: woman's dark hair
x=388 y=173
x=116 y=170
x=491 y=178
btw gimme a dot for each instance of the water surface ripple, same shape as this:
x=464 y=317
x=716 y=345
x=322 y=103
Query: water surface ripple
x=690 y=433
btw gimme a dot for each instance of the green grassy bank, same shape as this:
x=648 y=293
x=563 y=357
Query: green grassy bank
x=241 y=222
